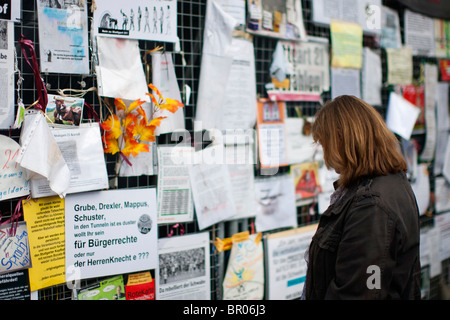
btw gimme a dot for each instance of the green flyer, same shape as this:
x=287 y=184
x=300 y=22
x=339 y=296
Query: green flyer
x=109 y=289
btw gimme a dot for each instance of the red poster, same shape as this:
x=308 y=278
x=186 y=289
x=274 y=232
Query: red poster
x=444 y=66
x=415 y=95
x=143 y=291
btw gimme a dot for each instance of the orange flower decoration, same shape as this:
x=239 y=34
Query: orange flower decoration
x=128 y=131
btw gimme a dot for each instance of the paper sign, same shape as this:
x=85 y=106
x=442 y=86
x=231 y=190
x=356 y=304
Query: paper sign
x=399 y=65
x=191 y=279
x=109 y=289
x=82 y=149
x=7 y=74
x=45 y=220
x=137 y=19
x=211 y=189
x=401 y=115
x=140 y=286
x=346 y=42
x=244 y=278
x=13 y=182
x=14 y=248
x=271 y=134
x=286 y=264
x=110 y=232
x=40 y=155
x=165 y=79
x=308 y=71
x=63 y=37
x=119 y=70
x=276 y=203
x=175 y=203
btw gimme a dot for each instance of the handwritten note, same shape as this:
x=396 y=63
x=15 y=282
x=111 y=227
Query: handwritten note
x=13 y=182
x=14 y=248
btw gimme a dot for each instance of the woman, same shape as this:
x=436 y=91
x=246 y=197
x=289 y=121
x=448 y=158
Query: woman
x=367 y=242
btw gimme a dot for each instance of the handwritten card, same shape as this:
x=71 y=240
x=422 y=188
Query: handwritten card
x=13 y=182
x=14 y=248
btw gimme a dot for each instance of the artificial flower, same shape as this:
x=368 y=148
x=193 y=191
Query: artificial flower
x=128 y=131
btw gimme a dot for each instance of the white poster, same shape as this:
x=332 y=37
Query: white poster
x=216 y=64
x=6 y=74
x=138 y=19
x=165 y=79
x=40 y=155
x=242 y=177
x=371 y=77
x=308 y=72
x=119 y=71
x=419 y=33
x=13 y=181
x=184 y=271
x=442 y=222
x=82 y=150
x=237 y=109
x=286 y=263
x=446 y=164
x=175 y=203
x=390 y=29
x=345 y=81
x=442 y=194
x=366 y=13
x=401 y=115
x=211 y=187
x=276 y=203
x=299 y=142
x=110 y=232
x=63 y=37
x=431 y=75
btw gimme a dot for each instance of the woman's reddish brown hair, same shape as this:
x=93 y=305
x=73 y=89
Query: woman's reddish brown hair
x=356 y=141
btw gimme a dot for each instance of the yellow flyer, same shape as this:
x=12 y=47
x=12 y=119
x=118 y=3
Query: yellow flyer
x=45 y=220
x=346 y=44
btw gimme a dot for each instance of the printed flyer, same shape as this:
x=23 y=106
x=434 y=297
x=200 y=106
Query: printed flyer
x=138 y=19
x=184 y=272
x=109 y=289
x=110 y=232
x=271 y=134
x=285 y=261
x=244 y=277
x=63 y=36
x=308 y=71
x=14 y=286
x=45 y=220
x=7 y=74
x=140 y=286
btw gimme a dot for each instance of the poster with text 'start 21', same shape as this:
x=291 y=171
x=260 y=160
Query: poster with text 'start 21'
x=300 y=70
x=110 y=232
x=138 y=19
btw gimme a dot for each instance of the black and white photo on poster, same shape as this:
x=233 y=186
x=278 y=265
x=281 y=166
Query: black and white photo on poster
x=139 y=19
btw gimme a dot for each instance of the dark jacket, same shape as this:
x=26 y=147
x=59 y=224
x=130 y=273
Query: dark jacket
x=375 y=223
